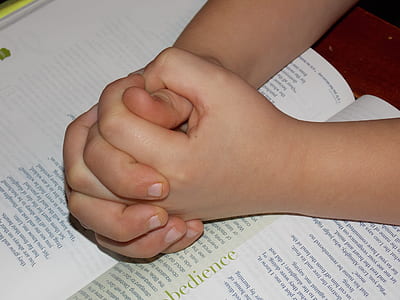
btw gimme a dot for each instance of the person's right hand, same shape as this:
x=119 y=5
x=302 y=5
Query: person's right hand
x=229 y=161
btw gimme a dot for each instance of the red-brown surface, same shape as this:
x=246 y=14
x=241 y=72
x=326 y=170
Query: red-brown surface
x=366 y=50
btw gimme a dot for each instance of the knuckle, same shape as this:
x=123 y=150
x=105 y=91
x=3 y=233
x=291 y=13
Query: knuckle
x=109 y=125
x=187 y=173
x=73 y=205
x=223 y=78
x=166 y=57
x=89 y=153
x=122 y=182
x=133 y=182
x=76 y=177
x=111 y=87
x=148 y=249
x=70 y=130
x=70 y=127
x=121 y=232
x=120 y=185
x=167 y=53
x=119 y=235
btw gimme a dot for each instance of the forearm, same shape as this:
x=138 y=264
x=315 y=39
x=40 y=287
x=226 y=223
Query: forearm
x=256 y=38
x=352 y=171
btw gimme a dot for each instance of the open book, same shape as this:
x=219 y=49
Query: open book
x=59 y=58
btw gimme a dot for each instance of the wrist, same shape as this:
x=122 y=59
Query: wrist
x=204 y=55
x=284 y=166
x=348 y=168
x=313 y=171
x=237 y=66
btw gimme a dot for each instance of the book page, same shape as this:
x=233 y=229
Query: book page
x=309 y=88
x=268 y=257
x=307 y=258
x=367 y=107
x=61 y=57
x=193 y=267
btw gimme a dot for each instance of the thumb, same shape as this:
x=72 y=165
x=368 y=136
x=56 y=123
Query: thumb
x=144 y=134
x=163 y=107
x=193 y=77
x=174 y=75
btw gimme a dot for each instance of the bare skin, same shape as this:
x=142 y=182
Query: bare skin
x=261 y=40
x=242 y=156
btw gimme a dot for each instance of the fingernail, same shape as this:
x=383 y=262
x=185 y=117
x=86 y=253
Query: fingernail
x=191 y=233
x=172 y=236
x=155 y=190
x=154 y=222
x=161 y=96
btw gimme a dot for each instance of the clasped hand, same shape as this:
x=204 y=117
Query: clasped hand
x=145 y=186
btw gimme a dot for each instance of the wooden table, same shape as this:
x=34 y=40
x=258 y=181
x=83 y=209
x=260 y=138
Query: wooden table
x=366 y=51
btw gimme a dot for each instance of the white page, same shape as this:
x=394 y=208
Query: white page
x=367 y=107
x=153 y=280
x=309 y=88
x=307 y=258
x=273 y=257
x=58 y=66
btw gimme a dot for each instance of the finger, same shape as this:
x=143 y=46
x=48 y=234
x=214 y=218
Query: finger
x=120 y=172
x=162 y=107
x=188 y=75
x=125 y=176
x=185 y=74
x=148 y=245
x=77 y=175
x=134 y=135
x=116 y=221
x=147 y=184
x=194 y=230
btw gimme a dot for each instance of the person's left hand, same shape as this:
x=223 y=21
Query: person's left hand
x=124 y=223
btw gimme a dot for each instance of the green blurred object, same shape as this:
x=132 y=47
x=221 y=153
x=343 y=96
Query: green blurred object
x=4 y=53
x=9 y=6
